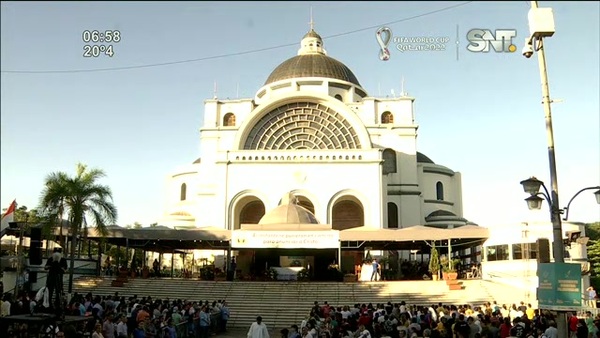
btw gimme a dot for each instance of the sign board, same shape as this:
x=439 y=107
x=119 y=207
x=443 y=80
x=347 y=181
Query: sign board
x=559 y=286
x=326 y=239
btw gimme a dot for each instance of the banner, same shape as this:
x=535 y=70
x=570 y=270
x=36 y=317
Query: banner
x=559 y=286
x=318 y=239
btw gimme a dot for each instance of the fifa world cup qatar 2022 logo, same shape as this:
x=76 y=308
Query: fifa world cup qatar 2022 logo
x=402 y=44
x=384 y=37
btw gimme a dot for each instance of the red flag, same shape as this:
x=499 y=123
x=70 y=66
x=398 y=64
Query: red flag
x=9 y=215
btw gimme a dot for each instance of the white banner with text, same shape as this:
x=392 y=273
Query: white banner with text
x=319 y=239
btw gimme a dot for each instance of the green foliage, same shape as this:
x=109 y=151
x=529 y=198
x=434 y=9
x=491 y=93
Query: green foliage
x=135 y=225
x=434 y=261
x=303 y=275
x=207 y=272
x=592 y=231
x=272 y=274
x=445 y=263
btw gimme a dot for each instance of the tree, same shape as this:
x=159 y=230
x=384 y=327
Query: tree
x=136 y=225
x=592 y=231
x=153 y=225
x=79 y=197
x=434 y=261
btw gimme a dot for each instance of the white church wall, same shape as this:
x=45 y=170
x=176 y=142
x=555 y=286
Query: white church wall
x=325 y=180
x=187 y=175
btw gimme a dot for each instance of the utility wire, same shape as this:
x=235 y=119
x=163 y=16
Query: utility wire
x=229 y=54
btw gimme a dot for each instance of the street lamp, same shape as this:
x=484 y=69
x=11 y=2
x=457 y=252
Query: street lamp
x=541 y=24
x=532 y=186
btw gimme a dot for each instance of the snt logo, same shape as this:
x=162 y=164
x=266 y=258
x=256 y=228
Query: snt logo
x=501 y=40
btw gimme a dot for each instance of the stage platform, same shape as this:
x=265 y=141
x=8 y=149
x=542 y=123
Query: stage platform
x=38 y=322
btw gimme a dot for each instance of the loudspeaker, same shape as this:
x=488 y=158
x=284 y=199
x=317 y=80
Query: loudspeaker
x=32 y=276
x=35 y=247
x=543 y=245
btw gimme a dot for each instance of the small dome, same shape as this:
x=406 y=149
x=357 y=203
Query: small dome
x=289 y=213
x=312 y=34
x=422 y=158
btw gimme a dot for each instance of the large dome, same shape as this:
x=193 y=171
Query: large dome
x=312 y=65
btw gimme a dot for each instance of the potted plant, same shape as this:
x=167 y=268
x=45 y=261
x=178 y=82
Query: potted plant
x=434 y=263
x=302 y=275
x=350 y=277
x=445 y=263
x=272 y=274
x=452 y=272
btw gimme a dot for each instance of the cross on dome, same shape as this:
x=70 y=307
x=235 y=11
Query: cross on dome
x=312 y=43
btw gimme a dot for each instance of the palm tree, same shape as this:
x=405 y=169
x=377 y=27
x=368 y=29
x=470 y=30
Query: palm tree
x=78 y=197
x=53 y=200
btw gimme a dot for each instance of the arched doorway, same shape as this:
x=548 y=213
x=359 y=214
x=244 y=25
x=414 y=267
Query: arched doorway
x=248 y=211
x=347 y=213
x=306 y=204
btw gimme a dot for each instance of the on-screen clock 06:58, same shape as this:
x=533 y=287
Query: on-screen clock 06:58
x=94 y=36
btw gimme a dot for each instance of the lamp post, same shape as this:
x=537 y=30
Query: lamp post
x=541 y=24
x=532 y=186
x=534 y=202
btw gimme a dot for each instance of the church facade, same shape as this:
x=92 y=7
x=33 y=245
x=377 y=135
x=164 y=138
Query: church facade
x=312 y=129
x=311 y=132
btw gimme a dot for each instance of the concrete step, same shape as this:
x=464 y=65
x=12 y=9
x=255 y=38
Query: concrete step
x=284 y=303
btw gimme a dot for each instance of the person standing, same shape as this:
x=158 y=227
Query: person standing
x=375 y=270
x=258 y=329
x=56 y=265
x=592 y=296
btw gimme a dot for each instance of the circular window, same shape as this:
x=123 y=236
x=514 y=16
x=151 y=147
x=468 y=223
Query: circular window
x=302 y=125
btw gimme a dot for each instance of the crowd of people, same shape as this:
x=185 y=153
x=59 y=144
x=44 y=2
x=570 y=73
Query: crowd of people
x=436 y=321
x=117 y=317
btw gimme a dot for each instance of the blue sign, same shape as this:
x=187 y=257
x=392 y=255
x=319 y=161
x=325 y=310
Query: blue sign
x=559 y=286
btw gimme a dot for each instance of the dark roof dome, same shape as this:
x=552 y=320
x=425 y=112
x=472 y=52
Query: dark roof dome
x=312 y=61
x=422 y=158
x=312 y=65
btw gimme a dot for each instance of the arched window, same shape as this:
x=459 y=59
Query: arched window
x=387 y=118
x=389 y=162
x=183 y=192
x=439 y=189
x=229 y=120
x=339 y=97
x=346 y=214
x=392 y=215
x=252 y=212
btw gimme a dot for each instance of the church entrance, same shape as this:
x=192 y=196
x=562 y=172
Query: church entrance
x=288 y=262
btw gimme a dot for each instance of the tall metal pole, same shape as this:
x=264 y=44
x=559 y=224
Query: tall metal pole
x=558 y=245
x=20 y=256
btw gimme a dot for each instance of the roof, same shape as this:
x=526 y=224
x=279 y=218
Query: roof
x=289 y=212
x=312 y=65
x=312 y=34
x=422 y=158
x=414 y=233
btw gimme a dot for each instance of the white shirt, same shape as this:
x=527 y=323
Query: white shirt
x=258 y=331
x=5 y=310
x=122 y=329
x=365 y=334
x=551 y=332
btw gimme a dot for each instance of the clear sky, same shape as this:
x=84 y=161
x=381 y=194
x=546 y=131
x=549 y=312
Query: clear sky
x=479 y=114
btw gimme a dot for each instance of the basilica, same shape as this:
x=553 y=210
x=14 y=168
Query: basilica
x=311 y=151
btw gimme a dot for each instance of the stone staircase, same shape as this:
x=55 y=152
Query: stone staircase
x=284 y=303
